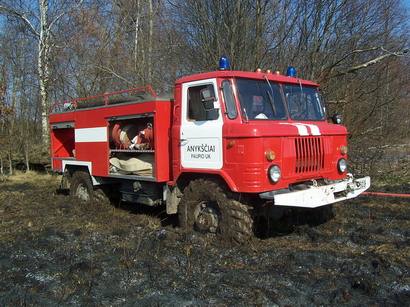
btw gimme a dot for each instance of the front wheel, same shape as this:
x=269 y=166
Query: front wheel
x=207 y=207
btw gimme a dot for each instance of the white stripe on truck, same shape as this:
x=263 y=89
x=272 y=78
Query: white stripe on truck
x=303 y=128
x=313 y=129
x=98 y=134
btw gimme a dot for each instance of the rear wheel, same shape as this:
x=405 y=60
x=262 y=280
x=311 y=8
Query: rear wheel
x=82 y=188
x=208 y=208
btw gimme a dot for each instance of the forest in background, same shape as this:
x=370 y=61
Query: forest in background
x=358 y=50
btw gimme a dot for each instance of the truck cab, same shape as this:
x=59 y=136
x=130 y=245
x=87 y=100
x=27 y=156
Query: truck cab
x=227 y=143
x=263 y=133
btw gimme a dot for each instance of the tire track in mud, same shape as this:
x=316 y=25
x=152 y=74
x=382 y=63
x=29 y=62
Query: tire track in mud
x=56 y=251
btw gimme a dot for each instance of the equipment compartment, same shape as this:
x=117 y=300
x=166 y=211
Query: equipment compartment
x=62 y=138
x=132 y=146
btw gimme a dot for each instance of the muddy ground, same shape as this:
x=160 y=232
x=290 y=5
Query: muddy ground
x=54 y=250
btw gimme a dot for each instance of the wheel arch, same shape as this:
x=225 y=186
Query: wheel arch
x=71 y=169
x=72 y=166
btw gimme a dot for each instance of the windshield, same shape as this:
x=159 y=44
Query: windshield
x=304 y=102
x=260 y=99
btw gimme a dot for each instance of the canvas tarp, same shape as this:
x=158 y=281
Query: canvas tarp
x=142 y=165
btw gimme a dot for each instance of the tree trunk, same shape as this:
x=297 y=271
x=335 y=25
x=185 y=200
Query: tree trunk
x=151 y=33
x=43 y=67
x=258 y=34
x=10 y=164
x=137 y=29
x=27 y=158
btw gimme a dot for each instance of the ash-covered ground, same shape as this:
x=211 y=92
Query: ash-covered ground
x=57 y=251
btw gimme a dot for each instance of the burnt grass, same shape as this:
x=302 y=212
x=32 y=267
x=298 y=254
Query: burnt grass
x=55 y=250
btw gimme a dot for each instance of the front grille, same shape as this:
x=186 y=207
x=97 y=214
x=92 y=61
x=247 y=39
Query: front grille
x=310 y=154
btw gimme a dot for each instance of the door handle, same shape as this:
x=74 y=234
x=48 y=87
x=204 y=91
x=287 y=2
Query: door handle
x=183 y=141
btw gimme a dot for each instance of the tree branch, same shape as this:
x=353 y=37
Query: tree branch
x=61 y=15
x=370 y=62
x=11 y=12
x=351 y=53
x=109 y=70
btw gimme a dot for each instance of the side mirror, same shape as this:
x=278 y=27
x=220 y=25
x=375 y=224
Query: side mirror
x=337 y=119
x=208 y=98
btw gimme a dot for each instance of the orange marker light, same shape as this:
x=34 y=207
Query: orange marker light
x=343 y=150
x=230 y=144
x=270 y=155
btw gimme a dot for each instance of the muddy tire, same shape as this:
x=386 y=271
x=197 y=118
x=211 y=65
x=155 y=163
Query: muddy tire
x=100 y=195
x=207 y=207
x=82 y=188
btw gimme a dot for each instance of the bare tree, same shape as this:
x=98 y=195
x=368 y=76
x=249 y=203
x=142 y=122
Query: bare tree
x=212 y=28
x=356 y=50
x=43 y=35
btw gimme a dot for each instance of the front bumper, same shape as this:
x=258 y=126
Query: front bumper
x=316 y=196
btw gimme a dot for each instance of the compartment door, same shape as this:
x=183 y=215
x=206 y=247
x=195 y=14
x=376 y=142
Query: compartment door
x=201 y=128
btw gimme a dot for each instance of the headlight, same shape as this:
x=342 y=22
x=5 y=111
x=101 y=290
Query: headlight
x=274 y=173
x=342 y=165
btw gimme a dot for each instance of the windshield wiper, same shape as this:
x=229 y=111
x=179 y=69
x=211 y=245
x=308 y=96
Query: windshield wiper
x=245 y=114
x=270 y=95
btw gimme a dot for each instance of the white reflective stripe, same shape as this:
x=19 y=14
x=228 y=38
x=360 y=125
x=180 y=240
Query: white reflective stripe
x=302 y=129
x=98 y=134
x=313 y=129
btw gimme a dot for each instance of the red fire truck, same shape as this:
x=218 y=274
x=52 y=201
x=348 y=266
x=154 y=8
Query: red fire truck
x=227 y=144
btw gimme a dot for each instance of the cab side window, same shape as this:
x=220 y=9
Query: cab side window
x=200 y=99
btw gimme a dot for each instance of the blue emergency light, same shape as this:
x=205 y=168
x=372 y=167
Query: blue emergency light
x=291 y=72
x=224 y=63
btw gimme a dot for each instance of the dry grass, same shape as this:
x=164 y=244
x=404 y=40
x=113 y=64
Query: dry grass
x=29 y=202
x=32 y=178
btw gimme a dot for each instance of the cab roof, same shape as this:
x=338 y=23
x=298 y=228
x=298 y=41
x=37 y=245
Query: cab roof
x=244 y=74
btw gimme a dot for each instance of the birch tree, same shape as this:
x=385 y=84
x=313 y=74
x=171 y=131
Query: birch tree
x=42 y=33
x=44 y=58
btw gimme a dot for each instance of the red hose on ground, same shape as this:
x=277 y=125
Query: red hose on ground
x=386 y=194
